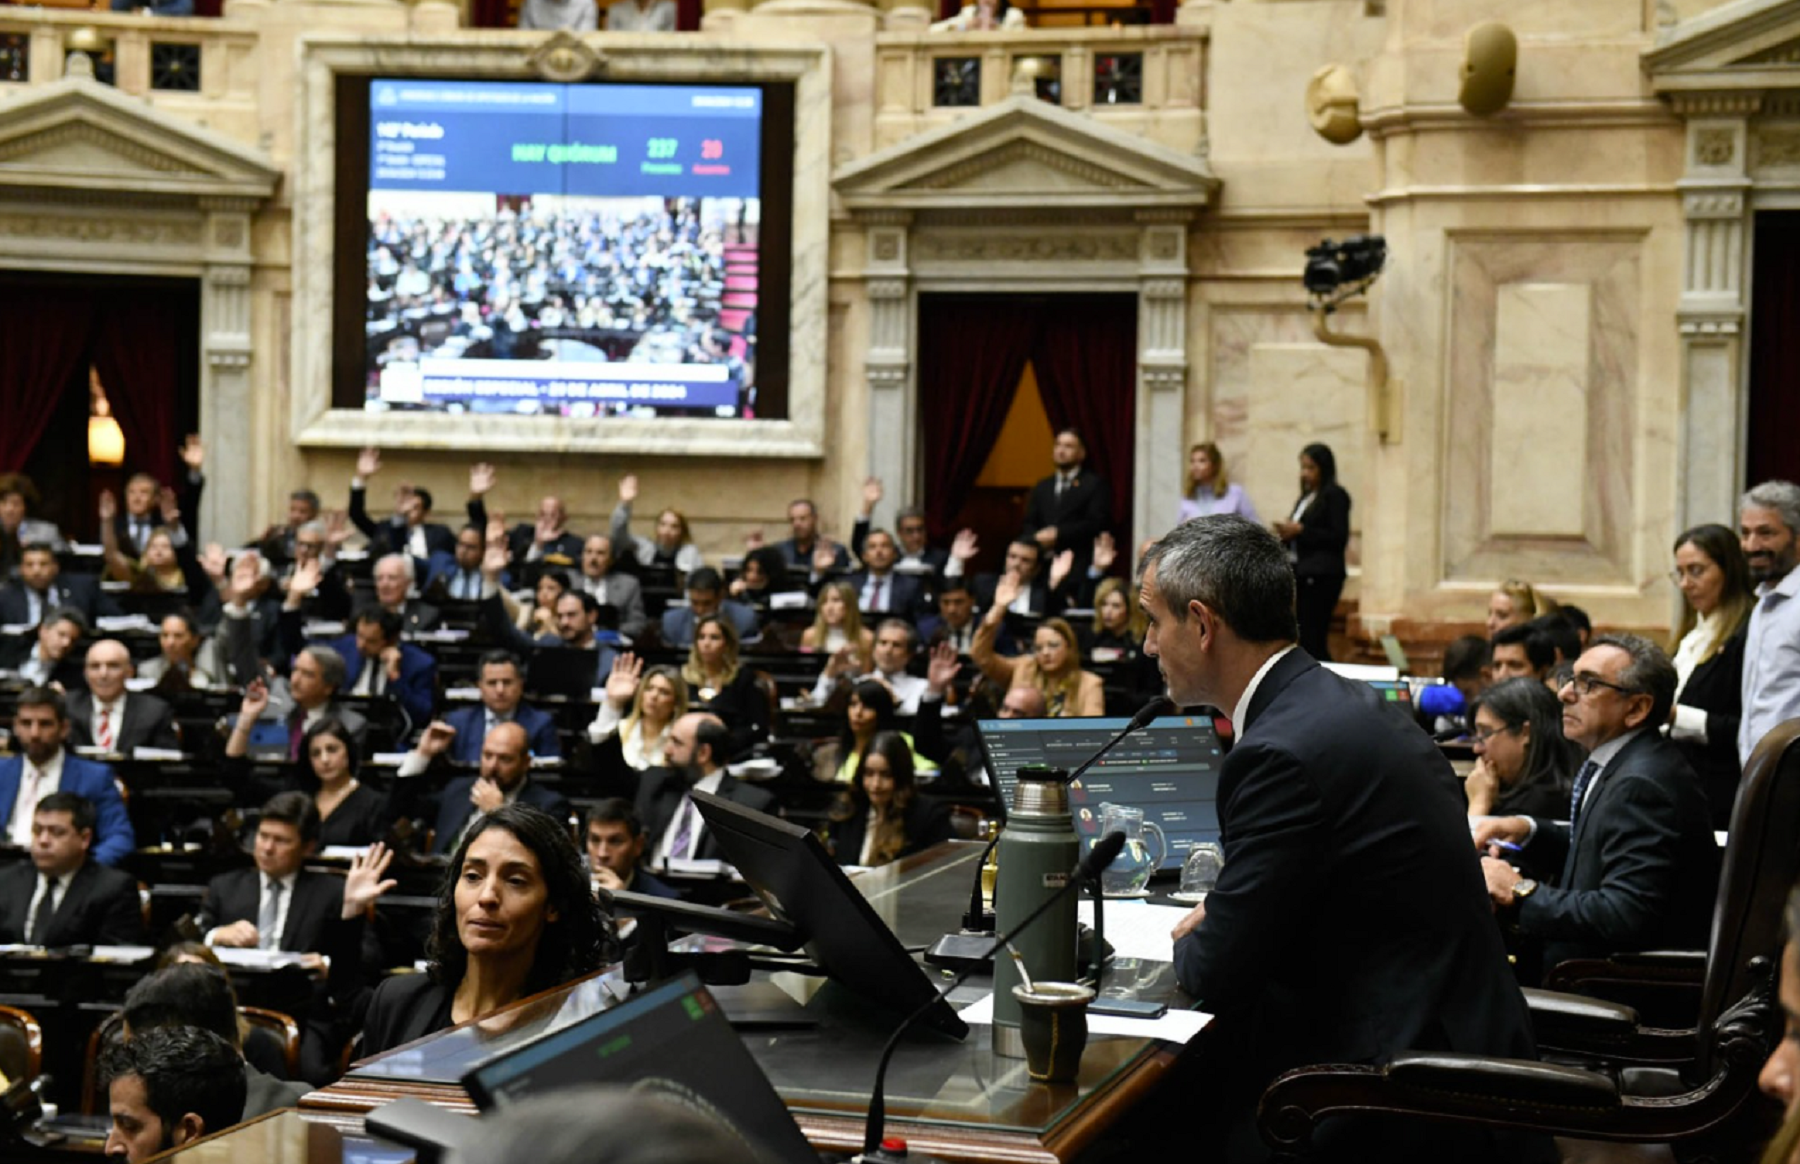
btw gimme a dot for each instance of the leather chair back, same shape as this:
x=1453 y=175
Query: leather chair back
x=1760 y=867
x=21 y=1045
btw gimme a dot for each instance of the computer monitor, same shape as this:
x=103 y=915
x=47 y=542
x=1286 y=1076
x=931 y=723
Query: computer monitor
x=672 y=1041
x=566 y=671
x=801 y=885
x=1170 y=769
x=1395 y=693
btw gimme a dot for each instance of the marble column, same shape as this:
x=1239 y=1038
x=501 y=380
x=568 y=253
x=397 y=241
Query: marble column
x=1162 y=373
x=893 y=415
x=226 y=349
x=1713 y=313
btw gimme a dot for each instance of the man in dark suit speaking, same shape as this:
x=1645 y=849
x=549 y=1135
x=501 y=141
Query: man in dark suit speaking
x=698 y=745
x=1349 y=923
x=61 y=897
x=1639 y=866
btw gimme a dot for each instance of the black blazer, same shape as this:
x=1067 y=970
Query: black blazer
x=390 y=535
x=661 y=791
x=76 y=590
x=1324 y=534
x=922 y=827
x=359 y=819
x=314 y=917
x=454 y=809
x=743 y=707
x=1716 y=687
x=1641 y=869
x=100 y=908
x=149 y=722
x=1344 y=820
x=1083 y=510
x=404 y=1008
x=905 y=594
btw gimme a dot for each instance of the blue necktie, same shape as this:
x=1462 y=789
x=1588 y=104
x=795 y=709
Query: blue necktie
x=1588 y=771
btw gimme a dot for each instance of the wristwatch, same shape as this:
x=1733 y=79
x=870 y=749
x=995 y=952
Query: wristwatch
x=1524 y=888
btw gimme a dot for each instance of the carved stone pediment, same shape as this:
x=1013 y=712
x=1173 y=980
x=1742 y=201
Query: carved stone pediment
x=1023 y=153
x=78 y=135
x=1742 y=45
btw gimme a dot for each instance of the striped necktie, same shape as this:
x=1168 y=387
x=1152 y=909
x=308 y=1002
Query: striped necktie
x=1588 y=771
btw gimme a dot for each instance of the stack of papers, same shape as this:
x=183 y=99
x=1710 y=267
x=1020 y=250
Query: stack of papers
x=1175 y=1026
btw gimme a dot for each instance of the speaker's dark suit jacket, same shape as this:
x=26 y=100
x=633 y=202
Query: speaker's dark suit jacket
x=1079 y=514
x=100 y=907
x=1640 y=870
x=471 y=729
x=1716 y=687
x=76 y=590
x=454 y=809
x=660 y=792
x=149 y=723
x=1351 y=921
x=113 y=835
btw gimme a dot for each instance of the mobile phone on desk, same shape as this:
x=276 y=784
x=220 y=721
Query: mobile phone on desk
x=1128 y=1007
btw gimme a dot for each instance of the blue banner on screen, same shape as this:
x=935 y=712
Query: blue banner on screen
x=563 y=250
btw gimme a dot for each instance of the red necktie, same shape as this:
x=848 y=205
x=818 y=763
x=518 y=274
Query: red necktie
x=875 y=599
x=103 y=735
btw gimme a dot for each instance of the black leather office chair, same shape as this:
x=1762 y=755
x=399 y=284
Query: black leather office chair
x=1650 y=1085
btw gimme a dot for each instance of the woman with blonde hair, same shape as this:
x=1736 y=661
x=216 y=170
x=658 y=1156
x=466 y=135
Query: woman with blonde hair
x=1209 y=490
x=717 y=683
x=1513 y=603
x=673 y=544
x=165 y=568
x=1119 y=622
x=838 y=624
x=639 y=709
x=1053 y=667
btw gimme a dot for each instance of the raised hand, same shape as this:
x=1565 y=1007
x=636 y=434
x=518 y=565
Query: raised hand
x=109 y=505
x=168 y=505
x=754 y=539
x=436 y=738
x=824 y=558
x=494 y=560
x=622 y=682
x=306 y=578
x=481 y=478
x=546 y=530
x=1106 y=552
x=368 y=462
x=246 y=572
x=628 y=488
x=363 y=885
x=192 y=452
x=871 y=496
x=1060 y=567
x=1006 y=591
x=941 y=669
x=390 y=660
x=214 y=562
x=965 y=546
x=485 y=795
x=256 y=701
x=337 y=528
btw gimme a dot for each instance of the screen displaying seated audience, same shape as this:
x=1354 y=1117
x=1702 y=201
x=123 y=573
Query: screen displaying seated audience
x=584 y=250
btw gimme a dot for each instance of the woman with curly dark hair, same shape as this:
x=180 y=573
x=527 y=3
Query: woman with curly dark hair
x=515 y=916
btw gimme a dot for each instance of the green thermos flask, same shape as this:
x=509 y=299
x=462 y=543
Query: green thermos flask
x=1037 y=853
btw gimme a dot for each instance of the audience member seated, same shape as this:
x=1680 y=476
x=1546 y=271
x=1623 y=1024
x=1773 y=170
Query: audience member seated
x=881 y=818
x=458 y=577
x=500 y=677
x=611 y=587
x=1708 y=648
x=804 y=550
x=378 y=664
x=393 y=592
x=1210 y=490
x=981 y=16
x=40 y=726
x=318 y=542
x=880 y=588
x=954 y=622
x=1031 y=596
x=551 y=15
x=187 y=995
x=718 y=683
x=1515 y=603
x=263 y=1050
x=168 y=1087
x=1563 y=636
x=277 y=542
x=837 y=629
x=871 y=710
x=615 y=850
x=763 y=575
x=547 y=539
x=62 y=897
x=168 y=563
x=350 y=812
x=537 y=615
x=895 y=643
x=672 y=547
x=18 y=529
x=1053 y=667
x=917 y=555
x=1118 y=630
x=1642 y=873
x=185 y=661
x=699 y=746
x=1521 y=652
x=638 y=710
x=40 y=588
x=1524 y=766
x=145 y=497
x=640 y=16
x=250 y=617
x=108 y=717
x=955 y=745
x=504 y=778
x=517 y=917
x=1467 y=662
x=49 y=655
x=1577 y=618
x=706 y=597
x=409 y=531
x=577 y=620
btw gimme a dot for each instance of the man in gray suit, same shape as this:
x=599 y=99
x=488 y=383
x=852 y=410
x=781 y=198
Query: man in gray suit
x=611 y=587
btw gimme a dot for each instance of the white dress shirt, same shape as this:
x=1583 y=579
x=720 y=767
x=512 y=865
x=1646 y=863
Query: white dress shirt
x=1242 y=709
x=37 y=898
x=34 y=784
x=1771 y=684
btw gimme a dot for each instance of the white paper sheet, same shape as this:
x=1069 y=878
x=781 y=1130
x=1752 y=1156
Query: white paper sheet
x=1137 y=929
x=1176 y=1026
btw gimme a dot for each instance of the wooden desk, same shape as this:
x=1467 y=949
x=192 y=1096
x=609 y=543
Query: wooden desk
x=954 y=1100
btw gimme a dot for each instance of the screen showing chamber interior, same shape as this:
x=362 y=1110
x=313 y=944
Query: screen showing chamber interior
x=562 y=250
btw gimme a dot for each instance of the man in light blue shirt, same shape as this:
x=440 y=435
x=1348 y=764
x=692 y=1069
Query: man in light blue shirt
x=1768 y=518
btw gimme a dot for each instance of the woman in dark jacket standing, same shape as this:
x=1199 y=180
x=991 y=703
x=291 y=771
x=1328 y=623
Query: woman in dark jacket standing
x=1316 y=535
x=1708 y=651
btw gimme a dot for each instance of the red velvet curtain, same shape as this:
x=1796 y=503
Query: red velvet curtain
x=137 y=340
x=971 y=355
x=1085 y=356
x=1774 y=351
x=43 y=343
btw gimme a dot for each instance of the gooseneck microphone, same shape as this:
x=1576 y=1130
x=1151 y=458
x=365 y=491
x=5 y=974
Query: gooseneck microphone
x=1161 y=705
x=1090 y=867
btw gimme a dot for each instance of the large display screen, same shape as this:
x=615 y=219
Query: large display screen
x=584 y=250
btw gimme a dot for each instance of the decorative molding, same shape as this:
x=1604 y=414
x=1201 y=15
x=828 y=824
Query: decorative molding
x=567 y=58
x=884 y=245
x=1711 y=328
x=129 y=231
x=1025 y=151
x=886 y=288
x=1778 y=146
x=1163 y=377
x=1714 y=146
x=228 y=275
x=969 y=248
x=1713 y=204
x=1164 y=289
x=1717 y=104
